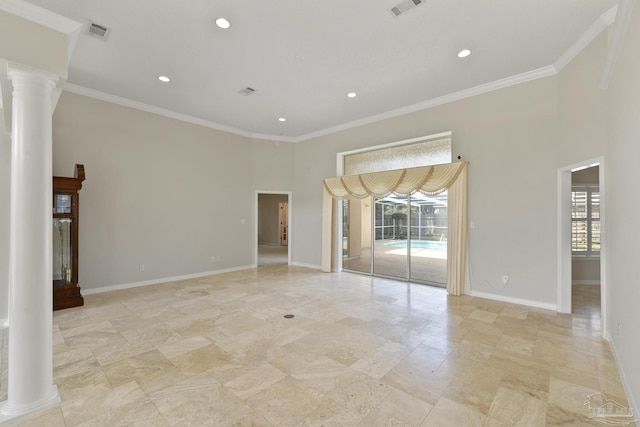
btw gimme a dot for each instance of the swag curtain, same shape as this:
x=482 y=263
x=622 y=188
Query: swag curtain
x=404 y=182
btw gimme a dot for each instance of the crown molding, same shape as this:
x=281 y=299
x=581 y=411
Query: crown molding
x=609 y=17
x=40 y=16
x=455 y=96
x=276 y=138
x=583 y=41
x=586 y=38
x=126 y=102
x=46 y=18
x=623 y=16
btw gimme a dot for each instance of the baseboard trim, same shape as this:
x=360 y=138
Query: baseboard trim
x=301 y=264
x=625 y=383
x=586 y=282
x=520 y=301
x=163 y=280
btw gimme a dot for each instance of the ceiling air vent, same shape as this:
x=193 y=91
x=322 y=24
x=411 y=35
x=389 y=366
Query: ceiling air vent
x=246 y=91
x=405 y=6
x=99 y=31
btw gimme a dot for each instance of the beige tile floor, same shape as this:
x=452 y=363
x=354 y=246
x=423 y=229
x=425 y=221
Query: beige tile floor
x=270 y=255
x=360 y=351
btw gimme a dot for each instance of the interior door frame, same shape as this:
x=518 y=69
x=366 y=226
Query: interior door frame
x=286 y=223
x=256 y=217
x=564 y=254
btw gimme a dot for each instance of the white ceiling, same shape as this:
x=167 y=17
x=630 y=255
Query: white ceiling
x=303 y=56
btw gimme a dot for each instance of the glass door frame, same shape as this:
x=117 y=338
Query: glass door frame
x=408 y=269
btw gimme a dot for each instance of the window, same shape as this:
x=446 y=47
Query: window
x=585 y=221
x=397 y=236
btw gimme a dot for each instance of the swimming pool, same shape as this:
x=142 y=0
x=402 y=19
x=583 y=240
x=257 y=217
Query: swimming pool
x=419 y=244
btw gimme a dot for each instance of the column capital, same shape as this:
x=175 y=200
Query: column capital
x=19 y=75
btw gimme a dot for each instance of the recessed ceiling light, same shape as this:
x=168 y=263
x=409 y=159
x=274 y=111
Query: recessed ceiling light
x=282 y=119
x=223 y=23
x=164 y=79
x=352 y=94
x=464 y=53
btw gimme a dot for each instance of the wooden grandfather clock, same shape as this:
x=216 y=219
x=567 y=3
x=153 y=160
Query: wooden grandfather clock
x=66 y=291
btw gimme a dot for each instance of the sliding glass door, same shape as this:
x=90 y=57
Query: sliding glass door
x=397 y=236
x=391 y=231
x=404 y=238
x=429 y=239
x=356 y=235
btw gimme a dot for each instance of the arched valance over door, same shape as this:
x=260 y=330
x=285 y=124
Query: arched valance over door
x=403 y=182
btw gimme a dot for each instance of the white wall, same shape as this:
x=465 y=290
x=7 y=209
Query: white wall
x=622 y=177
x=5 y=194
x=159 y=192
x=271 y=165
x=509 y=137
x=582 y=106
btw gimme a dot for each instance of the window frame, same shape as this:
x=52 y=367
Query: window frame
x=589 y=189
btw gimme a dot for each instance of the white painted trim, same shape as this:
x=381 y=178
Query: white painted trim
x=512 y=300
x=434 y=102
x=585 y=39
x=623 y=16
x=40 y=16
x=586 y=282
x=14 y=413
x=596 y=27
x=289 y=195
x=125 y=102
x=563 y=240
x=103 y=289
x=302 y=264
x=625 y=381
x=604 y=251
x=564 y=256
x=609 y=17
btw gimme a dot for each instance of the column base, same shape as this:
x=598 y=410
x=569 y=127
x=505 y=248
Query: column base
x=14 y=412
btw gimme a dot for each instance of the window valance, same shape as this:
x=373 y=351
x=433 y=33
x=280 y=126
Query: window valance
x=425 y=179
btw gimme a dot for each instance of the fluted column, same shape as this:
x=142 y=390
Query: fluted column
x=30 y=373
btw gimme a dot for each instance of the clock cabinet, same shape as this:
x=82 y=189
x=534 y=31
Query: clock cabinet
x=66 y=201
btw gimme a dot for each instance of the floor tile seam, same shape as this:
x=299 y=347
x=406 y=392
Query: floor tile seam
x=114 y=411
x=346 y=409
x=321 y=399
x=162 y=414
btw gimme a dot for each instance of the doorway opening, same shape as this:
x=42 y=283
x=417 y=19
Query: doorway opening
x=585 y=242
x=273 y=224
x=582 y=286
